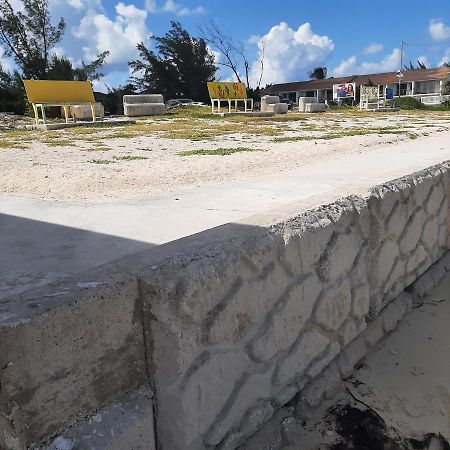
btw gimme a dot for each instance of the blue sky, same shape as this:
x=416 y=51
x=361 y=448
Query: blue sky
x=295 y=35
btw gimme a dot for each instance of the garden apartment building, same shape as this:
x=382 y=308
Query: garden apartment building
x=425 y=84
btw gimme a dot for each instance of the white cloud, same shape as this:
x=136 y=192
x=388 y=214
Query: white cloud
x=352 y=66
x=346 y=67
x=150 y=6
x=445 y=59
x=170 y=6
x=5 y=63
x=253 y=39
x=120 y=36
x=289 y=54
x=425 y=60
x=439 y=31
x=373 y=49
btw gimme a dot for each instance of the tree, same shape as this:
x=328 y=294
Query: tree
x=180 y=67
x=420 y=66
x=11 y=92
x=113 y=100
x=319 y=73
x=233 y=54
x=28 y=36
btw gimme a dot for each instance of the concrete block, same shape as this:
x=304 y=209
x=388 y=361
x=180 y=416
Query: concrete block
x=435 y=199
x=323 y=360
x=73 y=359
x=360 y=301
x=138 y=99
x=144 y=109
x=334 y=305
x=287 y=321
x=84 y=112
x=239 y=315
x=412 y=232
x=253 y=388
x=343 y=253
x=127 y=423
x=310 y=344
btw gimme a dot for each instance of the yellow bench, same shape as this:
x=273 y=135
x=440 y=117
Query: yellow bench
x=229 y=92
x=43 y=93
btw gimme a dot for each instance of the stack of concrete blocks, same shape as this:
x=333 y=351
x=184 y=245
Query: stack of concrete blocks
x=310 y=105
x=216 y=332
x=271 y=103
x=84 y=112
x=143 y=105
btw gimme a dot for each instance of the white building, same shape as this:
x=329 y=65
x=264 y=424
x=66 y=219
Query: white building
x=425 y=84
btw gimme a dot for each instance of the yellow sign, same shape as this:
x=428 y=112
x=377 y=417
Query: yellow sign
x=59 y=92
x=227 y=90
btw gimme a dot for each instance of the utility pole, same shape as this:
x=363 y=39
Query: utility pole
x=400 y=72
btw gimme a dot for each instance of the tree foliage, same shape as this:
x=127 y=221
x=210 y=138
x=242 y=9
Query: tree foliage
x=319 y=73
x=233 y=54
x=11 y=92
x=28 y=36
x=420 y=66
x=180 y=66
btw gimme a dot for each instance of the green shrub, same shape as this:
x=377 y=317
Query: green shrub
x=407 y=103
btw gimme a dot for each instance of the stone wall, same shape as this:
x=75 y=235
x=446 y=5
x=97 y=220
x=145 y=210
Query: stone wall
x=236 y=330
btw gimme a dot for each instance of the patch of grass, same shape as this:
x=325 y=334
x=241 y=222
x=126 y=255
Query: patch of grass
x=341 y=134
x=129 y=158
x=97 y=148
x=101 y=161
x=4 y=144
x=58 y=142
x=218 y=151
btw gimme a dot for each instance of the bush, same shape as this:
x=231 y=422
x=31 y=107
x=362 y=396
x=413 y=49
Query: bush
x=407 y=103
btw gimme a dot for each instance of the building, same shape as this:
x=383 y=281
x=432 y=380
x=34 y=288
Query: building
x=425 y=84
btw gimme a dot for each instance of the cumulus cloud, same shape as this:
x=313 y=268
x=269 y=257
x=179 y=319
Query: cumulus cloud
x=289 y=54
x=446 y=58
x=373 y=49
x=120 y=36
x=352 y=66
x=439 y=31
x=150 y=6
x=170 y=6
x=425 y=60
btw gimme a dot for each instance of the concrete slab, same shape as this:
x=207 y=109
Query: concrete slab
x=43 y=241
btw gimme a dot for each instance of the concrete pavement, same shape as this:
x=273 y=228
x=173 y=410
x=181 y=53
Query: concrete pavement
x=43 y=241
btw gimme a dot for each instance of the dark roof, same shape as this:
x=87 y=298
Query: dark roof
x=376 y=78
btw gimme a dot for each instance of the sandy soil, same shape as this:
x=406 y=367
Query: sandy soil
x=405 y=383
x=91 y=168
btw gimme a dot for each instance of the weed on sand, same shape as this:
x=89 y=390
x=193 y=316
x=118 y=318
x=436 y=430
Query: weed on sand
x=218 y=151
x=129 y=158
x=101 y=161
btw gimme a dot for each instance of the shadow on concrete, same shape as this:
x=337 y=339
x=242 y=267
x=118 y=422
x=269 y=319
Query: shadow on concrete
x=35 y=253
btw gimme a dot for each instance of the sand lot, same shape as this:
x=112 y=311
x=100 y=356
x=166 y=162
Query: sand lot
x=129 y=162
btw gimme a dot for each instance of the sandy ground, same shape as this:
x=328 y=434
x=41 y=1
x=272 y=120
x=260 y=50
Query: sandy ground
x=405 y=382
x=74 y=166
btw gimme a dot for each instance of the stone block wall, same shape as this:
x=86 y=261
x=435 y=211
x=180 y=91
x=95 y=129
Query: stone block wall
x=236 y=330
x=409 y=228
